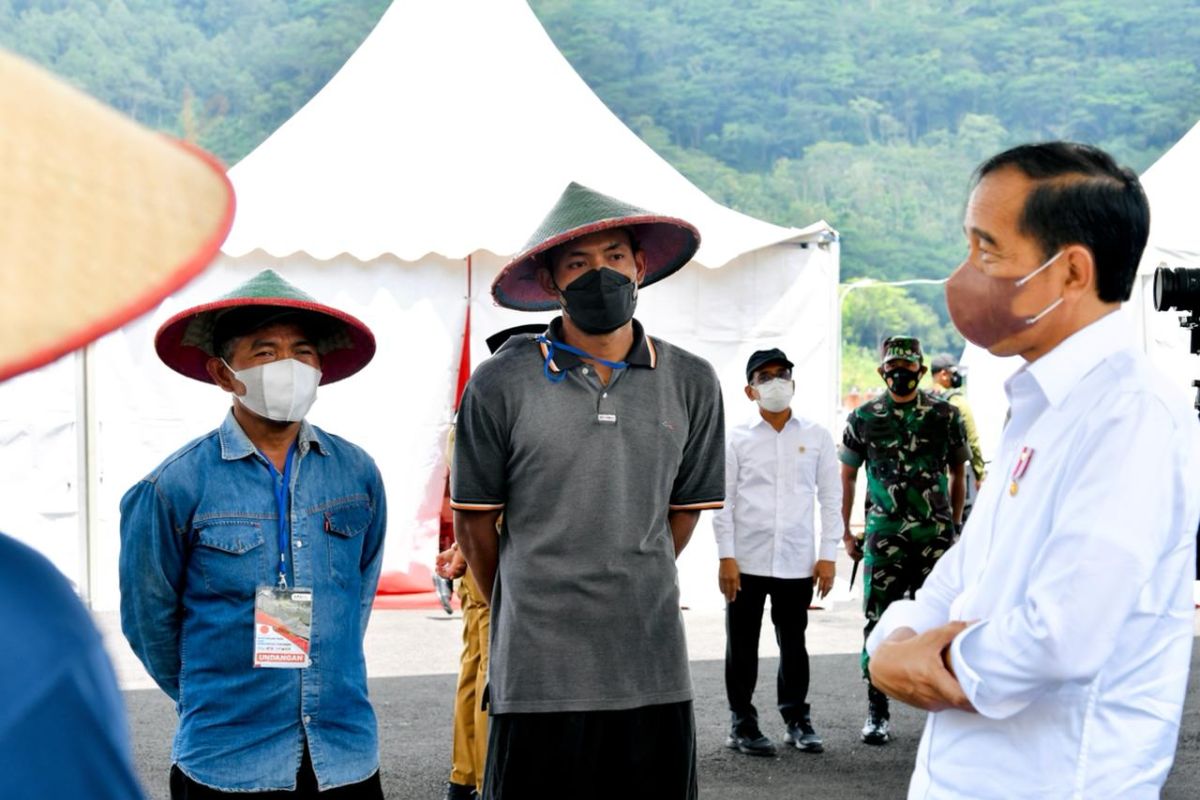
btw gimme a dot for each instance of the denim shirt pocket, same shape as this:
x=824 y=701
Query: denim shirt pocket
x=345 y=523
x=229 y=552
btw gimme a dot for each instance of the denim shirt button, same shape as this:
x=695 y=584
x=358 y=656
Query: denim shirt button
x=307 y=719
x=299 y=544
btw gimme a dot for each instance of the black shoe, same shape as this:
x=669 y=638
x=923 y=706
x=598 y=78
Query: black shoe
x=458 y=791
x=748 y=739
x=877 y=729
x=802 y=736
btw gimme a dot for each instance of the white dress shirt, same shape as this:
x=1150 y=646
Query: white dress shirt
x=1081 y=583
x=771 y=481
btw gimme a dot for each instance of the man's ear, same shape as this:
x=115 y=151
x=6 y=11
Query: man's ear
x=222 y=376
x=1081 y=270
x=921 y=372
x=750 y=392
x=546 y=282
x=639 y=258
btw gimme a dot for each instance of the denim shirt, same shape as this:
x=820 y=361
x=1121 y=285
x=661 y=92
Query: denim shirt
x=198 y=535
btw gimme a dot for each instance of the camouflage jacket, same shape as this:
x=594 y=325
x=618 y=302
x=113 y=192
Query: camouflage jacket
x=908 y=450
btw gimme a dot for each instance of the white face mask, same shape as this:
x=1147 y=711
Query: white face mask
x=281 y=390
x=775 y=395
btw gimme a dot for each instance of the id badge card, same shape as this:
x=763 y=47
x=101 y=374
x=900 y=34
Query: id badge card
x=282 y=620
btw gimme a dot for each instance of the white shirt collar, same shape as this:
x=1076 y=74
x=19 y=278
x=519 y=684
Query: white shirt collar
x=760 y=420
x=1057 y=372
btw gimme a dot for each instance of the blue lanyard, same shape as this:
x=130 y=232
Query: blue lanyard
x=559 y=377
x=282 y=487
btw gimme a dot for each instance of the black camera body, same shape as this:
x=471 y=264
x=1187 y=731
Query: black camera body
x=1178 y=289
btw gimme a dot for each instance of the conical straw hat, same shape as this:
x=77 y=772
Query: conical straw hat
x=100 y=218
x=667 y=242
x=185 y=341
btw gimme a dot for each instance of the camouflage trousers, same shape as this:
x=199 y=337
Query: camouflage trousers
x=897 y=557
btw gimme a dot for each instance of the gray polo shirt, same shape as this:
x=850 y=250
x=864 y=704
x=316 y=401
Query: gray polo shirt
x=585 y=610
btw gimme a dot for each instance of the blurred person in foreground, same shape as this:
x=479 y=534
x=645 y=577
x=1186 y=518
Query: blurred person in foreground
x=1052 y=643
x=99 y=220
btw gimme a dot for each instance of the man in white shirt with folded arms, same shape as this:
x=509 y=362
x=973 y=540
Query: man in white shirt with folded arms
x=1053 y=641
x=775 y=466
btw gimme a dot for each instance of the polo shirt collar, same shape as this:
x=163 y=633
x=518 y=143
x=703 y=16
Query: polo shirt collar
x=641 y=354
x=235 y=444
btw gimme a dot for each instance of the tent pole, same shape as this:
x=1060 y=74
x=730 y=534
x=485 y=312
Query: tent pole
x=86 y=470
x=464 y=364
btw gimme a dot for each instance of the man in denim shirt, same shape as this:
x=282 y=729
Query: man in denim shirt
x=270 y=505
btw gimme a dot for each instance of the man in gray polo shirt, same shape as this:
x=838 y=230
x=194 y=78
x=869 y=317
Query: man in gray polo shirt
x=600 y=446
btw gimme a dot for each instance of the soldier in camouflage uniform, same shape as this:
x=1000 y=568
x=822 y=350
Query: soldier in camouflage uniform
x=914 y=447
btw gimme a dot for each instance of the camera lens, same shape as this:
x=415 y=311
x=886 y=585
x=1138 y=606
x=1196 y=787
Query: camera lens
x=1177 y=288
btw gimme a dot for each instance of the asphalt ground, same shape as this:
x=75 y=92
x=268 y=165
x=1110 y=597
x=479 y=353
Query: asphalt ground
x=415 y=717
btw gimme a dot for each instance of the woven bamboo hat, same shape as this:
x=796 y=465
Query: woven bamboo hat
x=189 y=339
x=100 y=218
x=667 y=243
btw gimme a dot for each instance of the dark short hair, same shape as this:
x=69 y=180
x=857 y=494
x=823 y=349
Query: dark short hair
x=1082 y=197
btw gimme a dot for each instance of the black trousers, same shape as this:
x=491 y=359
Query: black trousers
x=593 y=755
x=790 y=598
x=184 y=788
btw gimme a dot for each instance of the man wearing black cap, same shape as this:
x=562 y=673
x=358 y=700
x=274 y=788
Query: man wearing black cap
x=600 y=445
x=947 y=377
x=774 y=467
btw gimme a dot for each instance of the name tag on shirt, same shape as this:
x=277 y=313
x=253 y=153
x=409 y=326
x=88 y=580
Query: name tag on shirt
x=282 y=624
x=606 y=419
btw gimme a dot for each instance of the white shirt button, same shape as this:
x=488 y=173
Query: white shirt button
x=584 y=370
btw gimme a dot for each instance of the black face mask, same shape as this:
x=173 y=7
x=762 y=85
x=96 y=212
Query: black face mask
x=600 y=301
x=956 y=379
x=902 y=381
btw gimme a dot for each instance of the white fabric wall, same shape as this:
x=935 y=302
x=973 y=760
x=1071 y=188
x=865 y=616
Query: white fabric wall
x=398 y=408
x=39 y=464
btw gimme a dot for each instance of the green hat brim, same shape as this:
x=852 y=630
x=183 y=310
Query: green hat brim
x=185 y=341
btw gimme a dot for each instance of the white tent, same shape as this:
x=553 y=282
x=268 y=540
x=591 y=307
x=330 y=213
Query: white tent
x=397 y=193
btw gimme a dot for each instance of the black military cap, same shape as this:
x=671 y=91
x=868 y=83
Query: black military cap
x=761 y=357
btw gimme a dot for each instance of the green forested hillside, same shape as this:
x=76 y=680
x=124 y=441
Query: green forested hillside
x=225 y=73
x=870 y=114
